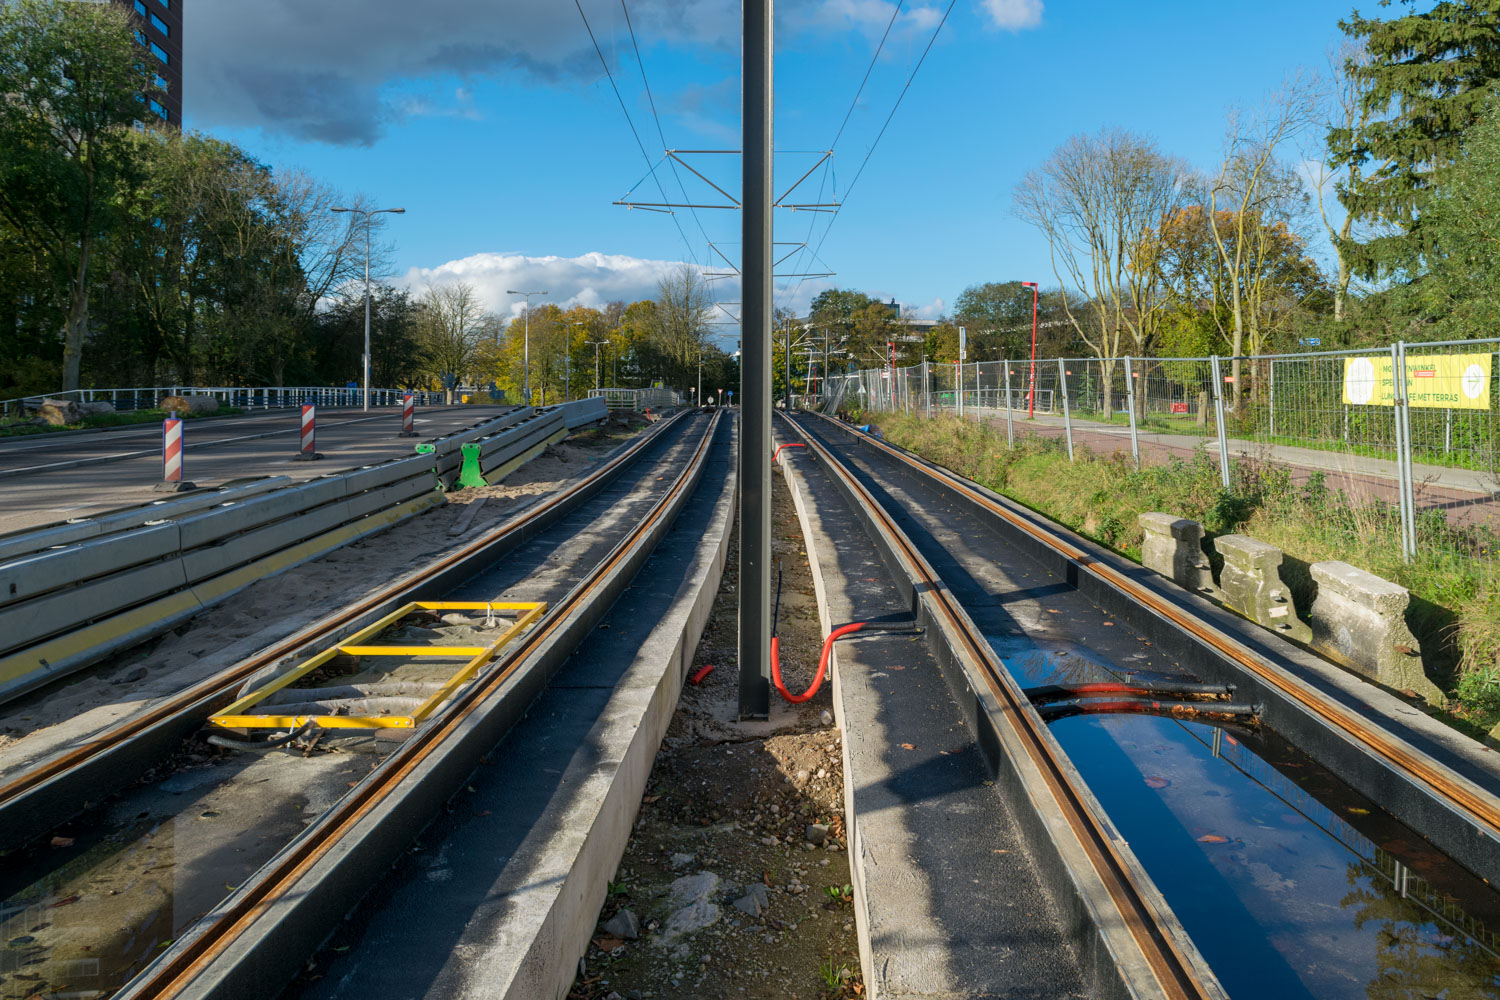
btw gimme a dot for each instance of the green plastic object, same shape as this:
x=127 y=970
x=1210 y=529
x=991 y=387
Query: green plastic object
x=426 y=448
x=469 y=474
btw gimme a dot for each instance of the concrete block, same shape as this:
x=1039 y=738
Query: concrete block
x=1251 y=584
x=1359 y=621
x=1174 y=548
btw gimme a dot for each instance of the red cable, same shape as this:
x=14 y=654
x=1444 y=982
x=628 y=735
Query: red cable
x=797 y=699
x=789 y=444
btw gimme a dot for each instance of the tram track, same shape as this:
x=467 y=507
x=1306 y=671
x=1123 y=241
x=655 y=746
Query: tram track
x=37 y=795
x=1140 y=933
x=1015 y=601
x=249 y=945
x=1433 y=780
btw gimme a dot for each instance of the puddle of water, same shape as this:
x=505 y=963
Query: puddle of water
x=88 y=907
x=1290 y=883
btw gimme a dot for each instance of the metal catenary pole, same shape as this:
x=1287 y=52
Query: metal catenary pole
x=1218 y=382
x=1135 y=442
x=1062 y=381
x=755 y=442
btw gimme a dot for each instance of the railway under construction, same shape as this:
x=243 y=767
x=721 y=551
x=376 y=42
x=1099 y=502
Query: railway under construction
x=1064 y=775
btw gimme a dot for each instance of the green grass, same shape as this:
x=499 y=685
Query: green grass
x=15 y=428
x=1455 y=609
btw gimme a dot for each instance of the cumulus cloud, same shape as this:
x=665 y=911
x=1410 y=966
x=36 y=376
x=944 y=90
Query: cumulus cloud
x=591 y=280
x=1013 y=15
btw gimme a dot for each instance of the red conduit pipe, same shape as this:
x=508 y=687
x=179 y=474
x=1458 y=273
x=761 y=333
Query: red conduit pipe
x=797 y=699
x=789 y=444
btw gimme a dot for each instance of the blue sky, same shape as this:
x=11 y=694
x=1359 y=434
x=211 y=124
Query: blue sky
x=495 y=127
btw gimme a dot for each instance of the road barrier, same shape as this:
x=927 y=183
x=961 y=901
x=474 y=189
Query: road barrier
x=308 y=451
x=243 y=397
x=73 y=593
x=408 y=416
x=171 y=456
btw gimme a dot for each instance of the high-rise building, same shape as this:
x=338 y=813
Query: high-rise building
x=158 y=28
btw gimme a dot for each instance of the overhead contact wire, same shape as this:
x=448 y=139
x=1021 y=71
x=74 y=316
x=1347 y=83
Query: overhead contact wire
x=629 y=121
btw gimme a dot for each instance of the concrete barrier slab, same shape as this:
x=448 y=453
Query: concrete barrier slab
x=1359 y=621
x=1251 y=583
x=1174 y=548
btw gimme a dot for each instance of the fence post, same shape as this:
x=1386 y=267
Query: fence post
x=1218 y=382
x=1135 y=443
x=978 y=395
x=1010 y=433
x=1403 y=451
x=1062 y=381
x=1272 y=404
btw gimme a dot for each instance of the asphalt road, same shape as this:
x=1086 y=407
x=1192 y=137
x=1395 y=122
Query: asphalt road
x=54 y=477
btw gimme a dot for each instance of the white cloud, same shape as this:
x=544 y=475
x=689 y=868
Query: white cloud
x=592 y=279
x=1013 y=15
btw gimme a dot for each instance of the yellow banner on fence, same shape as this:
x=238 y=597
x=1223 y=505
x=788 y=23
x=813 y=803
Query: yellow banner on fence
x=1438 y=381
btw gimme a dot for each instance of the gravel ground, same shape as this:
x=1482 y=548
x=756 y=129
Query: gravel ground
x=735 y=882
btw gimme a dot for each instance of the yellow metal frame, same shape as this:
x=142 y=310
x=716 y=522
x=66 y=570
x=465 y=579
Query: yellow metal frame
x=235 y=716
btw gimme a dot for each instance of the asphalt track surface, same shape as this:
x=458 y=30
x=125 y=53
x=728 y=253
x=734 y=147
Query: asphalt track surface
x=54 y=477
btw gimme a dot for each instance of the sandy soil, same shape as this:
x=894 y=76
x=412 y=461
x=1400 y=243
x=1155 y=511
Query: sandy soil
x=271 y=608
x=728 y=805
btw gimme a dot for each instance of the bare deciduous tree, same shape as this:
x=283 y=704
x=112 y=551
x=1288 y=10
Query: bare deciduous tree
x=1098 y=199
x=450 y=328
x=1248 y=183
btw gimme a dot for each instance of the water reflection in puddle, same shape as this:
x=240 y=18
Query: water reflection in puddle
x=1291 y=884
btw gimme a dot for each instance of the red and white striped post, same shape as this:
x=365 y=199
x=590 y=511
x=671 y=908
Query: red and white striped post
x=171 y=456
x=408 y=416
x=308 y=451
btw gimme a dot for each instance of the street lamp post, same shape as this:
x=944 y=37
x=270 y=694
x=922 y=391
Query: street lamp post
x=526 y=346
x=597 y=344
x=367 y=213
x=1031 y=392
x=568 y=359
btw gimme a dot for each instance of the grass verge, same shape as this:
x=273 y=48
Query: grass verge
x=1455 y=608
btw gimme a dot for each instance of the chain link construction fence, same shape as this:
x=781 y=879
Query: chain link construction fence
x=1409 y=434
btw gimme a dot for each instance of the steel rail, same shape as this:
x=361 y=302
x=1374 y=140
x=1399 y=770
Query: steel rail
x=1172 y=968
x=223 y=683
x=274 y=880
x=1457 y=792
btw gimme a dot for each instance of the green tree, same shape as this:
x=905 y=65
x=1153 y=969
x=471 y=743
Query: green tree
x=72 y=77
x=998 y=317
x=1462 y=223
x=1438 y=69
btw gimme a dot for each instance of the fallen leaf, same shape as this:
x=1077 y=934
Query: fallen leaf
x=648 y=799
x=1109 y=623
x=897 y=667
x=65 y=901
x=1357 y=811
x=908 y=746
x=1212 y=838
x=1155 y=782
x=605 y=942
x=1053 y=611
x=62 y=841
